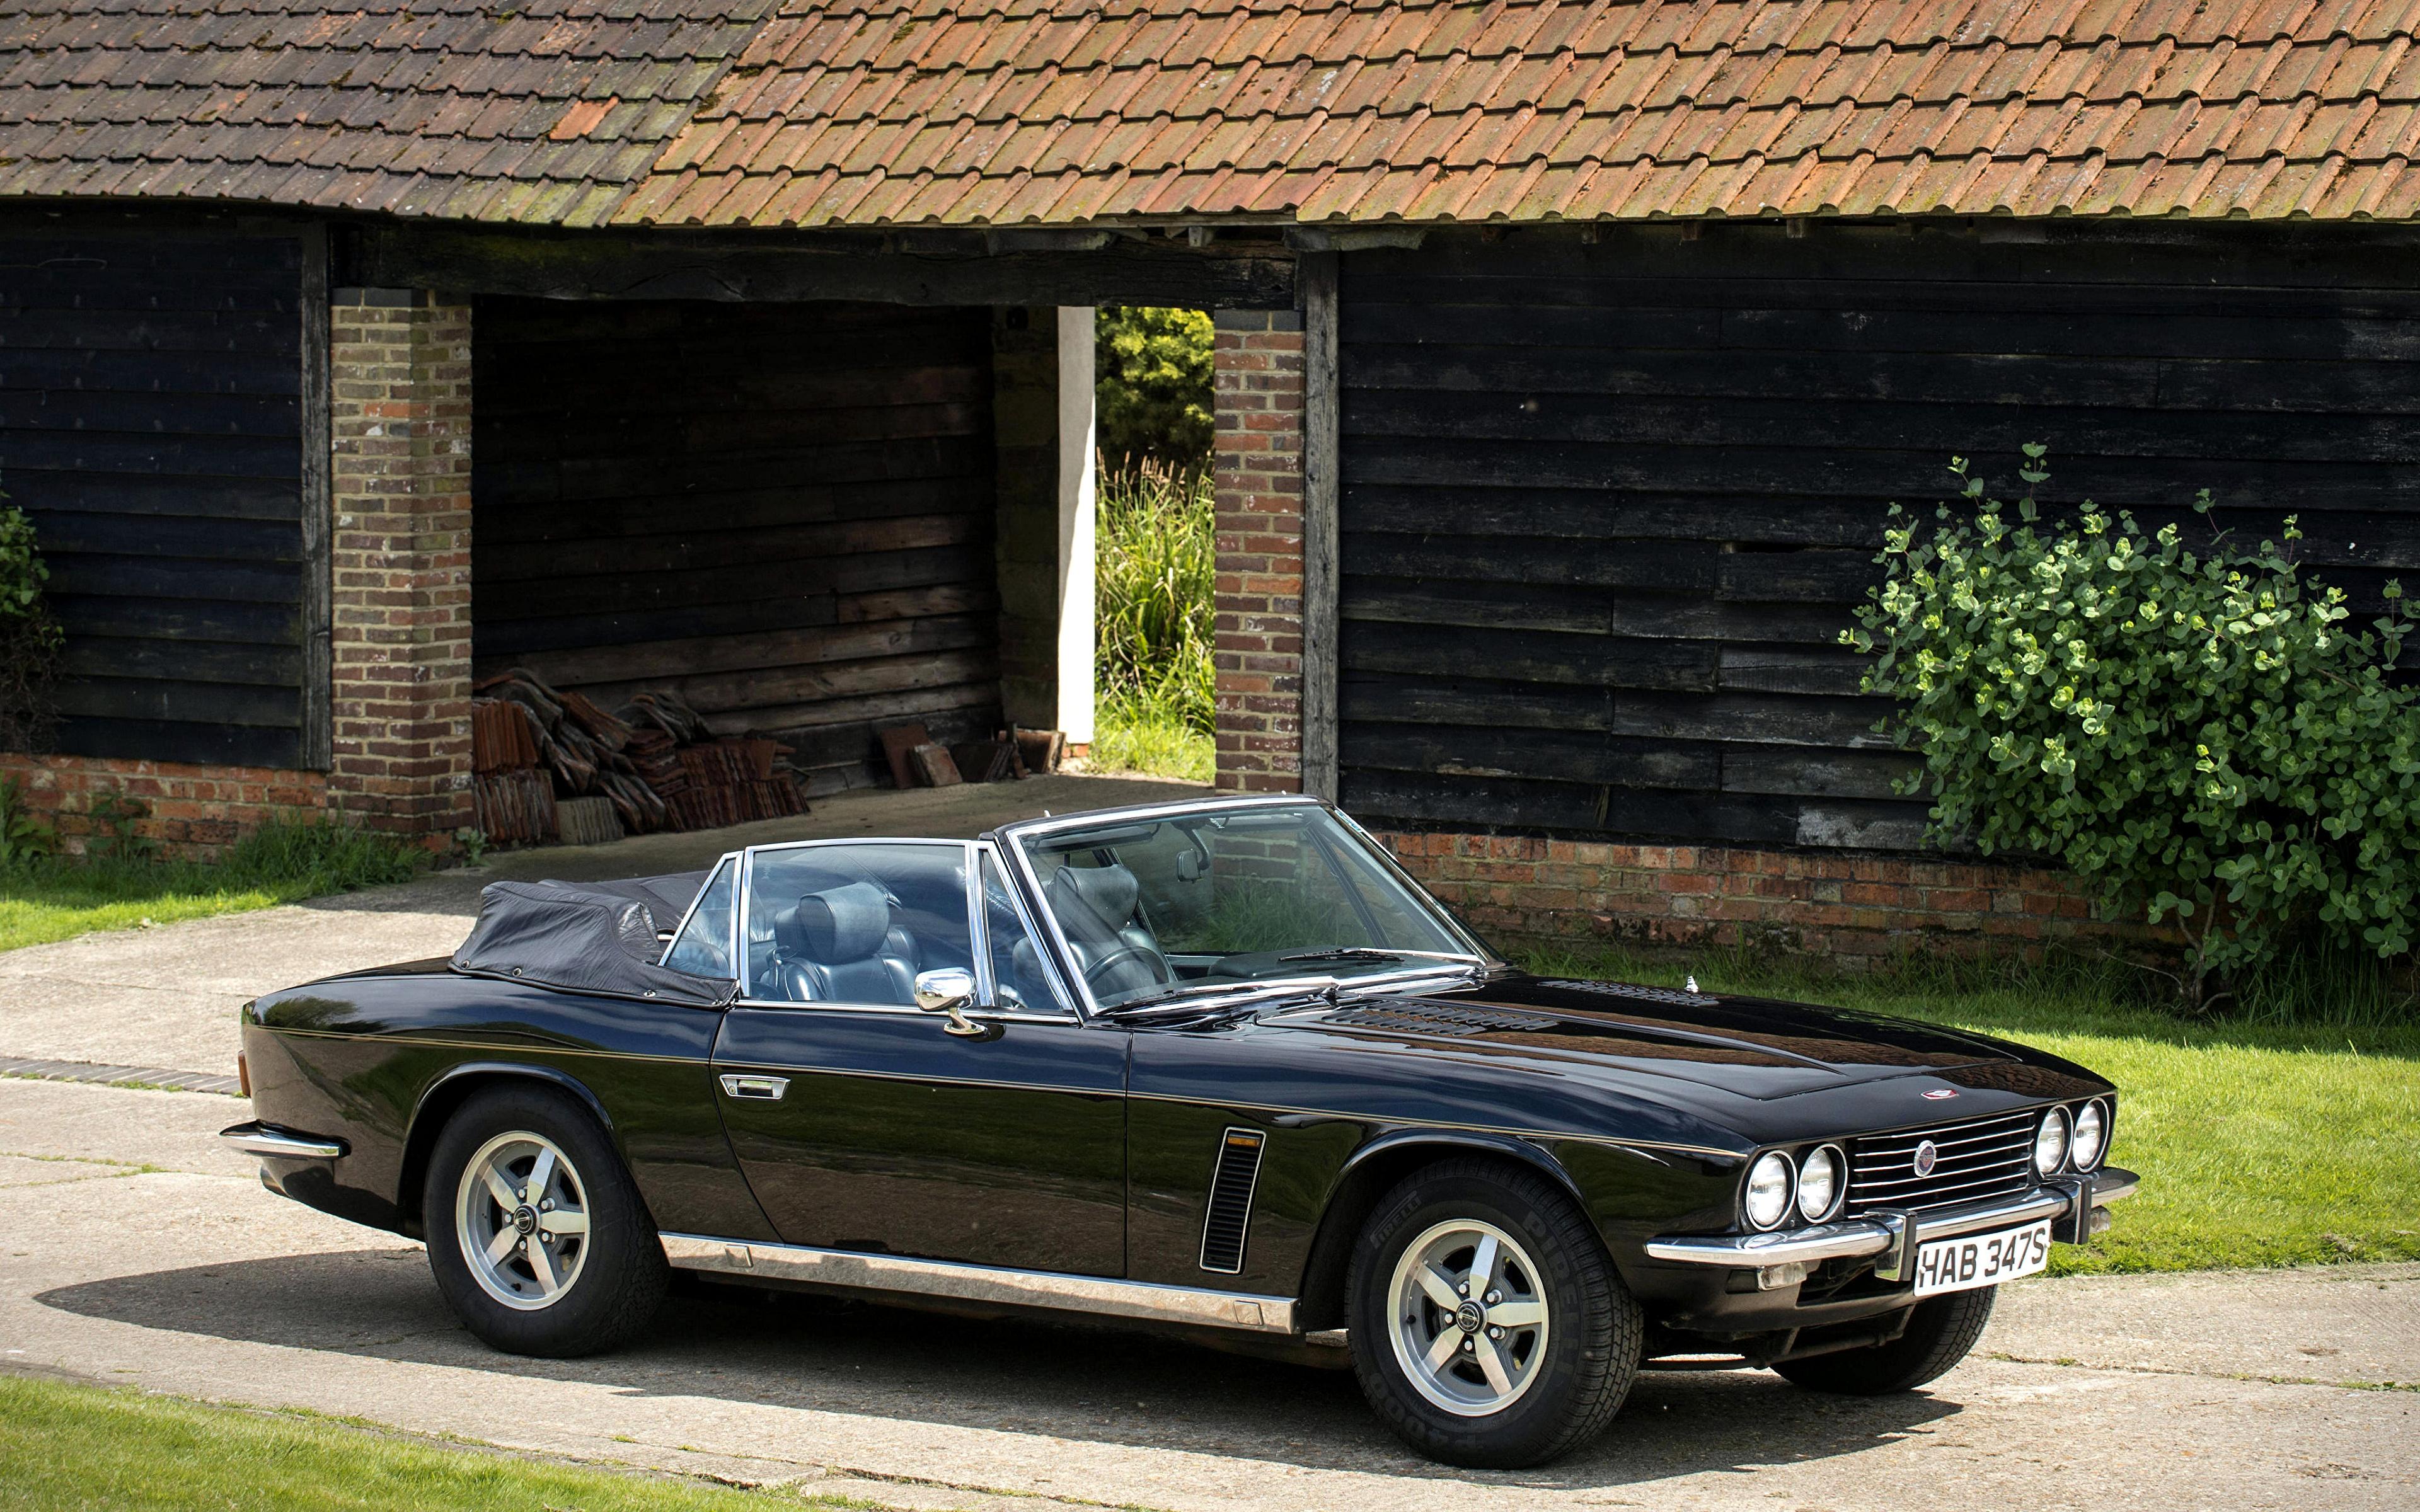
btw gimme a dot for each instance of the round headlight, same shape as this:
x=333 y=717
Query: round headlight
x=2091 y=1135
x=1768 y=1189
x=2050 y=1142
x=1819 y=1183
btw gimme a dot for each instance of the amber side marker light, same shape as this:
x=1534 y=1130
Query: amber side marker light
x=243 y=1074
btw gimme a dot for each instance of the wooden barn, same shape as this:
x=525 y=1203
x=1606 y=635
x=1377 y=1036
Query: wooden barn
x=1569 y=354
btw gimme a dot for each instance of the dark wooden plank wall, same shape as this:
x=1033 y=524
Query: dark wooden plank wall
x=151 y=404
x=1606 y=504
x=783 y=511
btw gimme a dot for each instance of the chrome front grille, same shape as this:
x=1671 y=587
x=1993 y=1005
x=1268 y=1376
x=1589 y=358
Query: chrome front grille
x=1983 y=1158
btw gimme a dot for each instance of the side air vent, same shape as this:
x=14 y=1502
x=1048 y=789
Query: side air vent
x=1416 y=1017
x=1231 y=1201
x=1644 y=994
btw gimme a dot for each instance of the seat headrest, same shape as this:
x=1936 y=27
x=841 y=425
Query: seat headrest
x=836 y=925
x=1108 y=891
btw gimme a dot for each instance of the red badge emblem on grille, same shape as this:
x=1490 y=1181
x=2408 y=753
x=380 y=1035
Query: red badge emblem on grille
x=1940 y=1094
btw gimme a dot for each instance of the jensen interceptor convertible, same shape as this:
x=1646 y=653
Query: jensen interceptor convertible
x=1217 y=1064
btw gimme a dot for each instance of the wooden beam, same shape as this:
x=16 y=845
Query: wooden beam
x=772 y=267
x=318 y=715
x=1316 y=278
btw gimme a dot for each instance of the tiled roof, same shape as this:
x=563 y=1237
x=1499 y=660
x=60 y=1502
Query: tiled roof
x=518 y=110
x=1025 y=111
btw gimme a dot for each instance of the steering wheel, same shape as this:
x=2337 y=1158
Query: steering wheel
x=1159 y=971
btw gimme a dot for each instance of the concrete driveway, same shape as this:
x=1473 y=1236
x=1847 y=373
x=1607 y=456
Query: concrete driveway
x=135 y=1250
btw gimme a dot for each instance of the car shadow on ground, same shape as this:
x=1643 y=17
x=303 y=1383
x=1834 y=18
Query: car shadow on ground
x=1081 y=1382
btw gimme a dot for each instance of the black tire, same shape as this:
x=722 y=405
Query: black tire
x=1939 y=1333
x=1578 y=1375
x=620 y=1278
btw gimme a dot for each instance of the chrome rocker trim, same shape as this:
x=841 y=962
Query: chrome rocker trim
x=267 y=1140
x=1892 y=1235
x=983 y=1283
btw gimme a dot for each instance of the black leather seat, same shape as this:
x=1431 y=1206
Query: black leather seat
x=1096 y=906
x=839 y=945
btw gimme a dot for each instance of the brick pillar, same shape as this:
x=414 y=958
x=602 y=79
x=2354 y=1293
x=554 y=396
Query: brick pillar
x=399 y=380
x=1257 y=465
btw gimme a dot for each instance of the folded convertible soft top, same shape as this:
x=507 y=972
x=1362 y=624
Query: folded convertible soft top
x=588 y=937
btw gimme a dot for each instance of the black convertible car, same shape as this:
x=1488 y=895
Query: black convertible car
x=1218 y=1064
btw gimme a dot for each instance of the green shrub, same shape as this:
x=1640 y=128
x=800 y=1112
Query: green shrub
x=23 y=837
x=30 y=639
x=2199 y=733
x=1152 y=386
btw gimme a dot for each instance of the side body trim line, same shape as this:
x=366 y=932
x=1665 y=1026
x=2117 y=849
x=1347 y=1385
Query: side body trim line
x=983 y=1283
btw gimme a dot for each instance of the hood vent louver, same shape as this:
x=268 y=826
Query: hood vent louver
x=1671 y=996
x=1411 y=1015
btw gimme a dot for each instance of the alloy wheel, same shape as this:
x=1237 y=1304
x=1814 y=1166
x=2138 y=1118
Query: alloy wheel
x=1469 y=1317
x=521 y=1216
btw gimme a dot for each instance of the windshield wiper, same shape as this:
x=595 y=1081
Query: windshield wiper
x=1372 y=952
x=1179 y=1001
x=1344 y=952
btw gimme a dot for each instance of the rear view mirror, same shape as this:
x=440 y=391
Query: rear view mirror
x=950 y=990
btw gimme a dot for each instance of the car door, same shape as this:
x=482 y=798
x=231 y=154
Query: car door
x=862 y=1123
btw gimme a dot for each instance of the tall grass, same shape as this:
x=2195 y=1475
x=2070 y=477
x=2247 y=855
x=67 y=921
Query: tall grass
x=1154 y=567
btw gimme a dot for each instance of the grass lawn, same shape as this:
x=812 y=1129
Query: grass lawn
x=86 y=1447
x=2258 y=1145
x=55 y=899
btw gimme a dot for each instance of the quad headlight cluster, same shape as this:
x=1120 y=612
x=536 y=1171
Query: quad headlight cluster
x=1814 y=1185
x=2071 y=1139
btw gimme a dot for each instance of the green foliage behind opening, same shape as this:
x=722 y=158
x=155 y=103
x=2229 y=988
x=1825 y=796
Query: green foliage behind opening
x=1154 y=560
x=2201 y=735
x=1152 y=386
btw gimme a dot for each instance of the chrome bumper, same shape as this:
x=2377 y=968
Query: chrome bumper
x=259 y=1138
x=1894 y=1235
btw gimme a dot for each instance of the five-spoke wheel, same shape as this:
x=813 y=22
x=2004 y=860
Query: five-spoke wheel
x=1470 y=1317
x=1488 y=1325
x=536 y=1232
x=522 y=1215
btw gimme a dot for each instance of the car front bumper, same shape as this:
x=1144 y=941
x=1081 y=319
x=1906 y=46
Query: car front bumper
x=2075 y=1205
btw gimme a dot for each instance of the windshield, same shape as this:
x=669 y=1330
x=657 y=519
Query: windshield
x=1154 y=906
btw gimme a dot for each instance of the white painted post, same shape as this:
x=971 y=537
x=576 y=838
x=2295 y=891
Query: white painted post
x=1075 y=507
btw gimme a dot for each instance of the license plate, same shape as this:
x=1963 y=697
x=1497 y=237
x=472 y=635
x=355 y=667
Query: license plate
x=1972 y=1261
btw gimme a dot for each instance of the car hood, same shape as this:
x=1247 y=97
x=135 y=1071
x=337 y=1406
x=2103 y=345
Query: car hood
x=1750 y=1047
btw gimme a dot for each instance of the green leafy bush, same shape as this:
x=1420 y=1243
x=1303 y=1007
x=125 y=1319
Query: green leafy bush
x=2200 y=734
x=23 y=837
x=1155 y=567
x=30 y=639
x=1152 y=386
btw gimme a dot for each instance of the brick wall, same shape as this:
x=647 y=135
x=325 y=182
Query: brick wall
x=399 y=378
x=194 y=812
x=1257 y=468
x=1518 y=889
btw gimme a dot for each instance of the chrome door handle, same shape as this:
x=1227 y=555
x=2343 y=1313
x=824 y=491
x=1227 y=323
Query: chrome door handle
x=760 y=1089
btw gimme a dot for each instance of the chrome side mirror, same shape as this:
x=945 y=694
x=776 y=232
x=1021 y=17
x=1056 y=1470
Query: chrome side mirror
x=952 y=990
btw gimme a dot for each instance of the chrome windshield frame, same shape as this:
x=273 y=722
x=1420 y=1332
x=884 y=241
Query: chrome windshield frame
x=1011 y=840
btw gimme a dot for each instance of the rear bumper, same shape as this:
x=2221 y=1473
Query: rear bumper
x=272 y=1143
x=2072 y=1203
